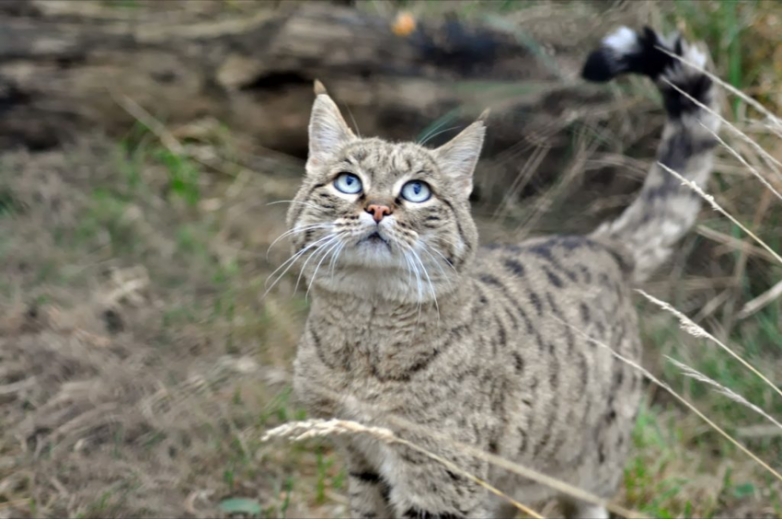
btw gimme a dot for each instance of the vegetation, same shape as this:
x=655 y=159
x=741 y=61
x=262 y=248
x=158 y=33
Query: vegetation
x=141 y=362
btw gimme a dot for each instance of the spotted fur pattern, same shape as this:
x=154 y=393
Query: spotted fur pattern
x=411 y=319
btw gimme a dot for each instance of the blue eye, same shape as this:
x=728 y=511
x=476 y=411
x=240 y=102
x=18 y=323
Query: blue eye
x=416 y=191
x=348 y=183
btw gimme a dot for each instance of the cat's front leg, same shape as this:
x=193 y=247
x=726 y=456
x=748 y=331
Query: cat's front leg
x=368 y=492
x=425 y=488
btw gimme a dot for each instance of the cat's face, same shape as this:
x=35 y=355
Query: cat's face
x=373 y=216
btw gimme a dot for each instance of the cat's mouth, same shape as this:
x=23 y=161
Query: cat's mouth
x=375 y=238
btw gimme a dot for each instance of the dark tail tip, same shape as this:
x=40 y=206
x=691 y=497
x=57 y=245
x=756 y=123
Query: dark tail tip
x=626 y=51
x=600 y=67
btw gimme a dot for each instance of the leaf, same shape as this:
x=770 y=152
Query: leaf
x=744 y=490
x=241 y=505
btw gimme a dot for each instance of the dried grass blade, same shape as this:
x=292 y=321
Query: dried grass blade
x=678 y=397
x=700 y=377
x=693 y=329
x=714 y=205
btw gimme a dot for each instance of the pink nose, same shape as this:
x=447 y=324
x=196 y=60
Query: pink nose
x=378 y=211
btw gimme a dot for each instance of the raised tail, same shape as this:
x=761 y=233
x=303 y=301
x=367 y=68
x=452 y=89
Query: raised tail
x=665 y=209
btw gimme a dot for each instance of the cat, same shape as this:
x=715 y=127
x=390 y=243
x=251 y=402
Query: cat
x=411 y=318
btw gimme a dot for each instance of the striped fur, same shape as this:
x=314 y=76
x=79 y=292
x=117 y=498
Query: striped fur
x=411 y=320
x=665 y=210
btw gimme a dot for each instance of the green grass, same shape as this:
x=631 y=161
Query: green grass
x=212 y=299
x=722 y=25
x=183 y=176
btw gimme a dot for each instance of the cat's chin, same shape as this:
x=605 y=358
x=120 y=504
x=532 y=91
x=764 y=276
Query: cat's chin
x=373 y=254
x=375 y=248
x=375 y=271
x=378 y=283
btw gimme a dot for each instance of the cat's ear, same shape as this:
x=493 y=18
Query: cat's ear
x=458 y=157
x=328 y=130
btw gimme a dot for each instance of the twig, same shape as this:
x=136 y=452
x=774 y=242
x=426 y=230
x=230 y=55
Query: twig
x=298 y=431
x=166 y=138
x=740 y=267
x=710 y=199
x=730 y=88
x=700 y=377
x=676 y=395
x=738 y=132
x=732 y=242
x=696 y=331
x=762 y=300
x=744 y=162
x=15 y=387
x=759 y=431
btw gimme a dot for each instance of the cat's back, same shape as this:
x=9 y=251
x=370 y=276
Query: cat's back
x=576 y=279
x=558 y=292
x=555 y=298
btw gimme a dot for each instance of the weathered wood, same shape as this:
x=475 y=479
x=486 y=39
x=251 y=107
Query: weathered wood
x=68 y=67
x=59 y=74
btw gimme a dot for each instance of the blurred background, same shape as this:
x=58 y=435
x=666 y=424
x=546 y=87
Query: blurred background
x=147 y=149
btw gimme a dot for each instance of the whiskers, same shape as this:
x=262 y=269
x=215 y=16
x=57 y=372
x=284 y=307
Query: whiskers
x=427 y=267
x=328 y=249
x=434 y=134
x=293 y=231
x=329 y=246
x=286 y=266
x=446 y=276
x=416 y=267
x=295 y=202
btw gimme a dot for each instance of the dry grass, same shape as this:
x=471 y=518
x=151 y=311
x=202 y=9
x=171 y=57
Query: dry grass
x=139 y=367
x=132 y=357
x=306 y=429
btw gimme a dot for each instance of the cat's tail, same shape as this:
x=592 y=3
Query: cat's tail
x=665 y=209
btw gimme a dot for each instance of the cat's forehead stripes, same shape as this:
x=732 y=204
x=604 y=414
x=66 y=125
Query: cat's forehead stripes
x=384 y=163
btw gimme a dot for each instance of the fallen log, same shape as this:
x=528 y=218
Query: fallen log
x=59 y=76
x=66 y=69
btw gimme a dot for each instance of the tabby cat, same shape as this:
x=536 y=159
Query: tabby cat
x=411 y=318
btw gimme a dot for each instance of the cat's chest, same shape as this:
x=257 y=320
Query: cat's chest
x=350 y=385
x=381 y=355
x=375 y=365
x=378 y=352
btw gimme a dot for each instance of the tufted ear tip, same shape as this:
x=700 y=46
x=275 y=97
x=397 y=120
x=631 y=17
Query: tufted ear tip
x=458 y=157
x=319 y=88
x=328 y=130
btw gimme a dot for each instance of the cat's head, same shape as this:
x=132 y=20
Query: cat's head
x=375 y=217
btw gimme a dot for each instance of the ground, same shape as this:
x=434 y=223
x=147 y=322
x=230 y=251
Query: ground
x=142 y=359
